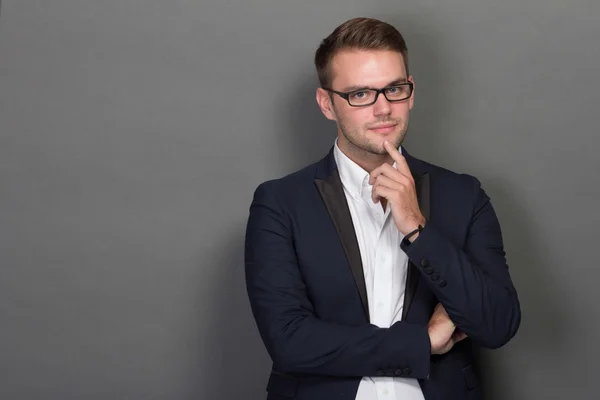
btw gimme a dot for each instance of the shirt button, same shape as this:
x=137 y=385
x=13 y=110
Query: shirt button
x=380 y=305
x=385 y=392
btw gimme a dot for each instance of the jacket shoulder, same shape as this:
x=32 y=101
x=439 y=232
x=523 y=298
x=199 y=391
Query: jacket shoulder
x=294 y=182
x=446 y=178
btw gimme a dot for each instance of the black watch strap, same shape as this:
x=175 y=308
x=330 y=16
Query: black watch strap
x=412 y=233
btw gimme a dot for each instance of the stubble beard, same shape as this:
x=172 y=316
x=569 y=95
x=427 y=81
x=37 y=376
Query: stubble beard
x=360 y=145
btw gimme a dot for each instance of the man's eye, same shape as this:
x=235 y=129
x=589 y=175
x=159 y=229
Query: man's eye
x=393 y=90
x=359 y=95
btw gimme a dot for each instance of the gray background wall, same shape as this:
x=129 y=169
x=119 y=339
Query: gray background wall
x=133 y=133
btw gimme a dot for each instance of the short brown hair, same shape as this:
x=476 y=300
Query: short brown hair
x=357 y=34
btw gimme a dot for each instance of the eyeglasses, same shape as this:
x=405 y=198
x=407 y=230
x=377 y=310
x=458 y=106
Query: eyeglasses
x=366 y=97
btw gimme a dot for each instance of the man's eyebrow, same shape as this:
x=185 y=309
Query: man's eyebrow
x=354 y=88
x=357 y=87
x=397 y=82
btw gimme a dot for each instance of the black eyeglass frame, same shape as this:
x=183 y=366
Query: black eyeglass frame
x=346 y=95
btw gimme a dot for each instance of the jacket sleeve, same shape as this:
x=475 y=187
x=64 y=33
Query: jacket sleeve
x=472 y=282
x=296 y=339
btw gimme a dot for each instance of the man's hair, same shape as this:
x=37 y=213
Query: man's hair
x=357 y=34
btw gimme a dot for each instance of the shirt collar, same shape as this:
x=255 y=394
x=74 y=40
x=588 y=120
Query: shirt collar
x=354 y=178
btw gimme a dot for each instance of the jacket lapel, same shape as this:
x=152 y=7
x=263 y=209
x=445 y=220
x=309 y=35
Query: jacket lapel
x=332 y=193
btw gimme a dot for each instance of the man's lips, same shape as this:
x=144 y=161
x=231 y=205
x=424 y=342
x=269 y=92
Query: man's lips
x=383 y=128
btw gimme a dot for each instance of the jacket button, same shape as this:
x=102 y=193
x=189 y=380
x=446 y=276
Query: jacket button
x=424 y=262
x=380 y=372
x=435 y=277
x=407 y=371
x=443 y=283
x=398 y=372
x=428 y=270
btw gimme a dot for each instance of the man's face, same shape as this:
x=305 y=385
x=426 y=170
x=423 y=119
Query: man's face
x=363 y=129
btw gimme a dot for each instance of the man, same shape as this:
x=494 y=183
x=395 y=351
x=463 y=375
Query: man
x=372 y=274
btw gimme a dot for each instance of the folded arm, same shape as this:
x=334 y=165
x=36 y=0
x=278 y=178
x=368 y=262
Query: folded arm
x=472 y=282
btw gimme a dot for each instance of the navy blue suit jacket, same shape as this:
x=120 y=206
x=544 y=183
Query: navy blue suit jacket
x=307 y=290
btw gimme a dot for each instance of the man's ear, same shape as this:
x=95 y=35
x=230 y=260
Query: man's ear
x=411 y=100
x=325 y=104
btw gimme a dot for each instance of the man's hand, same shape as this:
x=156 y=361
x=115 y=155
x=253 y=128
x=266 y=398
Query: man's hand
x=397 y=186
x=442 y=331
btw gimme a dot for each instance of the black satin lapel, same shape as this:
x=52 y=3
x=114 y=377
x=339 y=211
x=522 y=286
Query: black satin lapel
x=334 y=198
x=412 y=278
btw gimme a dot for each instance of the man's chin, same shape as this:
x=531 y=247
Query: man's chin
x=380 y=151
x=377 y=147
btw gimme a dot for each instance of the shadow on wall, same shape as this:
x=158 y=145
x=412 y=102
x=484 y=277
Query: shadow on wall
x=233 y=363
x=230 y=343
x=542 y=334
x=309 y=135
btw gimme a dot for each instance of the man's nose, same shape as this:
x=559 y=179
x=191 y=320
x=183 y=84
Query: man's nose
x=382 y=106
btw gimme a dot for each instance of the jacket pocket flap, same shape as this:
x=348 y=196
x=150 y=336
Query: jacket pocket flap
x=470 y=377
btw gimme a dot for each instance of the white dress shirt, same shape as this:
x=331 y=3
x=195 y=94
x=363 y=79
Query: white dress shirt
x=385 y=266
